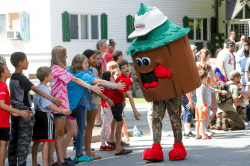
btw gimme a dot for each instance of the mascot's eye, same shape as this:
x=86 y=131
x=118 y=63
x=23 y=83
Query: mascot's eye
x=146 y=61
x=139 y=62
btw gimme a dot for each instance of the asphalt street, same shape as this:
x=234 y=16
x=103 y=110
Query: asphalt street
x=224 y=149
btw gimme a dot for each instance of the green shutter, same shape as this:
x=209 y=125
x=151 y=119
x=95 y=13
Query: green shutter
x=24 y=23
x=199 y=45
x=104 y=26
x=130 y=26
x=208 y=45
x=185 y=22
x=66 y=27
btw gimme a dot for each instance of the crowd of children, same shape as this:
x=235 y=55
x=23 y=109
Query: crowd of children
x=77 y=91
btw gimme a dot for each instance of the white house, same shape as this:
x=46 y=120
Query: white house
x=79 y=24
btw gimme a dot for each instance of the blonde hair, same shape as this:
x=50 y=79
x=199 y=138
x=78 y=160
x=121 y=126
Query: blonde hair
x=77 y=62
x=112 y=65
x=58 y=56
x=43 y=72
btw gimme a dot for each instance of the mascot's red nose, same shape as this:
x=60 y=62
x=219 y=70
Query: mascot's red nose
x=162 y=71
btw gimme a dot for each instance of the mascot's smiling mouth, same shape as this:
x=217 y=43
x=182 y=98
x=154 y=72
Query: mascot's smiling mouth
x=149 y=80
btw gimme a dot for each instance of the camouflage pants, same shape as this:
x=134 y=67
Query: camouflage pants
x=20 y=139
x=174 y=110
x=241 y=111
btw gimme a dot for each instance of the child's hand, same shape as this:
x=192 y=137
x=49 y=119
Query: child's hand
x=66 y=112
x=137 y=115
x=25 y=114
x=110 y=103
x=120 y=85
x=57 y=101
x=224 y=92
x=96 y=89
x=190 y=105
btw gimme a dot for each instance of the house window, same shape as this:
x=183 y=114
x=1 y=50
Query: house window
x=84 y=26
x=2 y=25
x=74 y=26
x=198 y=29
x=9 y=22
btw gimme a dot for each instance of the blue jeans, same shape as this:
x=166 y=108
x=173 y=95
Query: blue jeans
x=81 y=122
x=188 y=113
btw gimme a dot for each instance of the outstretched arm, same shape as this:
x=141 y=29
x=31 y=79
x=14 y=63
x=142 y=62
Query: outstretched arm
x=24 y=114
x=119 y=85
x=56 y=101
x=65 y=111
x=136 y=113
x=80 y=82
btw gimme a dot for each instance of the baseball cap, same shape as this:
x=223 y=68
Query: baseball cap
x=245 y=44
x=230 y=43
x=110 y=42
x=233 y=74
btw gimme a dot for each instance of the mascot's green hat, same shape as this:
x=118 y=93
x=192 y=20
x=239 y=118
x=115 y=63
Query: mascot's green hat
x=153 y=30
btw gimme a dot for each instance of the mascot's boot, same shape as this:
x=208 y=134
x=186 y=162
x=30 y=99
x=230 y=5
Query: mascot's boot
x=153 y=154
x=178 y=152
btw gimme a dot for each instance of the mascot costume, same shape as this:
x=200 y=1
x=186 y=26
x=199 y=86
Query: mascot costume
x=166 y=70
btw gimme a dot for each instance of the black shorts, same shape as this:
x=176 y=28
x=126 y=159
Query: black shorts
x=44 y=128
x=117 y=111
x=5 y=134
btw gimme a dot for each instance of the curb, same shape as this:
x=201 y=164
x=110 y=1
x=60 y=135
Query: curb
x=95 y=139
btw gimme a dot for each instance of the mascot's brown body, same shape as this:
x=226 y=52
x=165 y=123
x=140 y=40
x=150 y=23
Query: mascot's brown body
x=166 y=70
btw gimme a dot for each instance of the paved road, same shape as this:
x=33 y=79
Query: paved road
x=224 y=149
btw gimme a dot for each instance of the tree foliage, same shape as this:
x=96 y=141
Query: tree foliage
x=221 y=1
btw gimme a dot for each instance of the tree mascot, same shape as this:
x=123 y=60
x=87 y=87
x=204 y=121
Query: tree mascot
x=166 y=70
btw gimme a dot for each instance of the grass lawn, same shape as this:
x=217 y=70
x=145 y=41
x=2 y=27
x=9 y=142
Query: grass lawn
x=137 y=101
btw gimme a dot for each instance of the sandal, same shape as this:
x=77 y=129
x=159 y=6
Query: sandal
x=206 y=138
x=96 y=156
x=83 y=158
x=123 y=152
x=126 y=140
x=196 y=138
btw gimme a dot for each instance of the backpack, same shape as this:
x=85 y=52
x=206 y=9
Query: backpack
x=222 y=98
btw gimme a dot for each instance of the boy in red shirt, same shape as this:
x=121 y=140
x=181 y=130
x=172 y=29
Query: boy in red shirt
x=117 y=96
x=5 y=110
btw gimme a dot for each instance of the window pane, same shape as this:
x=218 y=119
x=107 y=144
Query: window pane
x=74 y=26
x=205 y=29
x=84 y=27
x=2 y=26
x=94 y=27
x=198 y=29
x=191 y=26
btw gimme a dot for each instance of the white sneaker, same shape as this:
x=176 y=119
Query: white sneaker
x=208 y=133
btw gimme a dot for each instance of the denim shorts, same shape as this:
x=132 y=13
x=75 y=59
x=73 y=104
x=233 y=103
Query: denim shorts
x=59 y=116
x=94 y=106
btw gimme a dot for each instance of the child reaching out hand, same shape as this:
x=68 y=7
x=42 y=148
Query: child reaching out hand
x=44 y=128
x=117 y=96
x=201 y=110
x=5 y=111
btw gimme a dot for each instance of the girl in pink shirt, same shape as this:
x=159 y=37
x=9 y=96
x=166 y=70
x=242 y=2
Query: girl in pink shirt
x=59 y=89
